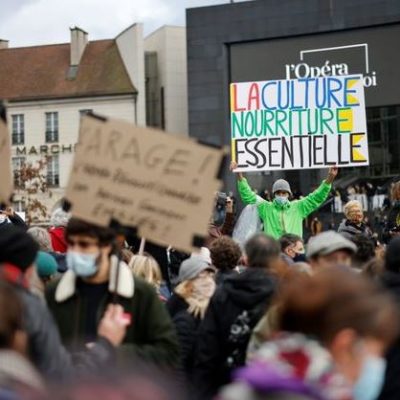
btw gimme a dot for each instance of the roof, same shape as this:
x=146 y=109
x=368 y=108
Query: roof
x=41 y=72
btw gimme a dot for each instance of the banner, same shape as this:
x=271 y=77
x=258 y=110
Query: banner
x=299 y=123
x=6 y=180
x=144 y=178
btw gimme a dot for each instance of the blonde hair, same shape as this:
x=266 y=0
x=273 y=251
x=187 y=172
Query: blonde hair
x=350 y=205
x=147 y=268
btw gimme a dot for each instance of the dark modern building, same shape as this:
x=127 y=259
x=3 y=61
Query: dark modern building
x=280 y=39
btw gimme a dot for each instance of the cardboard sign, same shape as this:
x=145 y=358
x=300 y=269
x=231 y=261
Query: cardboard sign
x=6 y=180
x=299 y=123
x=143 y=178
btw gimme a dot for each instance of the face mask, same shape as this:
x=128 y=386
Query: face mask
x=282 y=200
x=3 y=218
x=369 y=383
x=300 y=257
x=84 y=265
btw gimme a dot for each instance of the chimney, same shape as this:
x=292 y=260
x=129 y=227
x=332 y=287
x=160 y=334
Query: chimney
x=79 y=39
x=3 y=44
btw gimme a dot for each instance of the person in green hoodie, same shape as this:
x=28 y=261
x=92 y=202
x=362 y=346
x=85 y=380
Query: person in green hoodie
x=281 y=216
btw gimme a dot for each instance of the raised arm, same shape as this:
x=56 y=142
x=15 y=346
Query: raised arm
x=246 y=193
x=315 y=199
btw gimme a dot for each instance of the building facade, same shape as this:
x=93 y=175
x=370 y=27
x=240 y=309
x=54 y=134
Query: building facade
x=166 y=79
x=265 y=40
x=48 y=88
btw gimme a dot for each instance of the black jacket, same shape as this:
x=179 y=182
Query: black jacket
x=393 y=222
x=187 y=329
x=234 y=310
x=45 y=347
x=391 y=388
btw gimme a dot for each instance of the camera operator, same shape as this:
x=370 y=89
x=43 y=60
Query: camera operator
x=223 y=219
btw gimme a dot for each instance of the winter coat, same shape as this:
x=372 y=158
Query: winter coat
x=391 y=387
x=234 y=310
x=150 y=335
x=288 y=218
x=46 y=349
x=187 y=329
x=348 y=229
x=393 y=222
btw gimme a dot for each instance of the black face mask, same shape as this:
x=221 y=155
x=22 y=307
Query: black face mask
x=300 y=257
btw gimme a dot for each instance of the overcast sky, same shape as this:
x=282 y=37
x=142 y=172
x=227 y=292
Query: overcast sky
x=32 y=22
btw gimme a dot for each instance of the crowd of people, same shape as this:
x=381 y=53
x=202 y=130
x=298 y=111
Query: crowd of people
x=91 y=312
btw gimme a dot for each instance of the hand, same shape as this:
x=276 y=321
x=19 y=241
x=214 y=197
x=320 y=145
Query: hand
x=332 y=174
x=229 y=205
x=233 y=166
x=9 y=212
x=113 y=324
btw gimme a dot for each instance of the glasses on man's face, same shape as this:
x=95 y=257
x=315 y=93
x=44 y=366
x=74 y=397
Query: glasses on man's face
x=82 y=243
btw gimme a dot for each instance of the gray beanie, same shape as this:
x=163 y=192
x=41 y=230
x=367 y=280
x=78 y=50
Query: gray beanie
x=192 y=267
x=282 y=185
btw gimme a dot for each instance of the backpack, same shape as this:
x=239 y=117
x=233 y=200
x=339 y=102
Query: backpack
x=240 y=333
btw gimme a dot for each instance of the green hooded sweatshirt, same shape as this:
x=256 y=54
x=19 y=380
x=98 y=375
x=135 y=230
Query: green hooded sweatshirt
x=288 y=218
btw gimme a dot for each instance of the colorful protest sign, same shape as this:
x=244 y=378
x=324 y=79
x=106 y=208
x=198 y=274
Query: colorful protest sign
x=144 y=178
x=6 y=181
x=299 y=123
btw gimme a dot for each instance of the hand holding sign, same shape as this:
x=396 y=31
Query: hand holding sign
x=233 y=167
x=332 y=174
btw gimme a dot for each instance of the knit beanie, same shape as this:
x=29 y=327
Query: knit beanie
x=46 y=264
x=392 y=258
x=17 y=247
x=281 y=185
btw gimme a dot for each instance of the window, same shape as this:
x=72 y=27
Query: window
x=19 y=206
x=51 y=127
x=17 y=164
x=18 y=129
x=53 y=171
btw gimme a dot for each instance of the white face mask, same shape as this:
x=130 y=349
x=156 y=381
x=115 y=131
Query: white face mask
x=84 y=265
x=3 y=218
x=281 y=200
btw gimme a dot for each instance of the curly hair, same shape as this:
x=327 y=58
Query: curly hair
x=225 y=253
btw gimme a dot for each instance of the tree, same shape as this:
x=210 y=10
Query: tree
x=31 y=188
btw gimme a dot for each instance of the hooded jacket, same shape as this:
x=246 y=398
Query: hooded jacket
x=287 y=218
x=234 y=310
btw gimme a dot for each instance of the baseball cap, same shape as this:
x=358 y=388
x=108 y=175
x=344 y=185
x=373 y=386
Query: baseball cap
x=327 y=242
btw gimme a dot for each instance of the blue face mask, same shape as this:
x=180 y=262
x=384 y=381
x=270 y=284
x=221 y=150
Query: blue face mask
x=369 y=384
x=282 y=200
x=84 y=265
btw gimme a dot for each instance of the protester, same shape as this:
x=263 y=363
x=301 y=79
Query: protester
x=45 y=271
x=95 y=278
x=9 y=216
x=58 y=222
x=392 y=227
x=146 y=267
x=17 y=374
x=335 y=327
x=292 y=248
x=390 y=278
x=17 y=257
x=188 y=305
x=225 y=256
x=328 y=249
x=223 y=218
x=354 y=222
x=43 y=239
x=365 y=251
x=282 y=216
x=234 y=310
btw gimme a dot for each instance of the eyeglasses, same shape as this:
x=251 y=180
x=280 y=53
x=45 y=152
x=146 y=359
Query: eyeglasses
x=83 y=244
